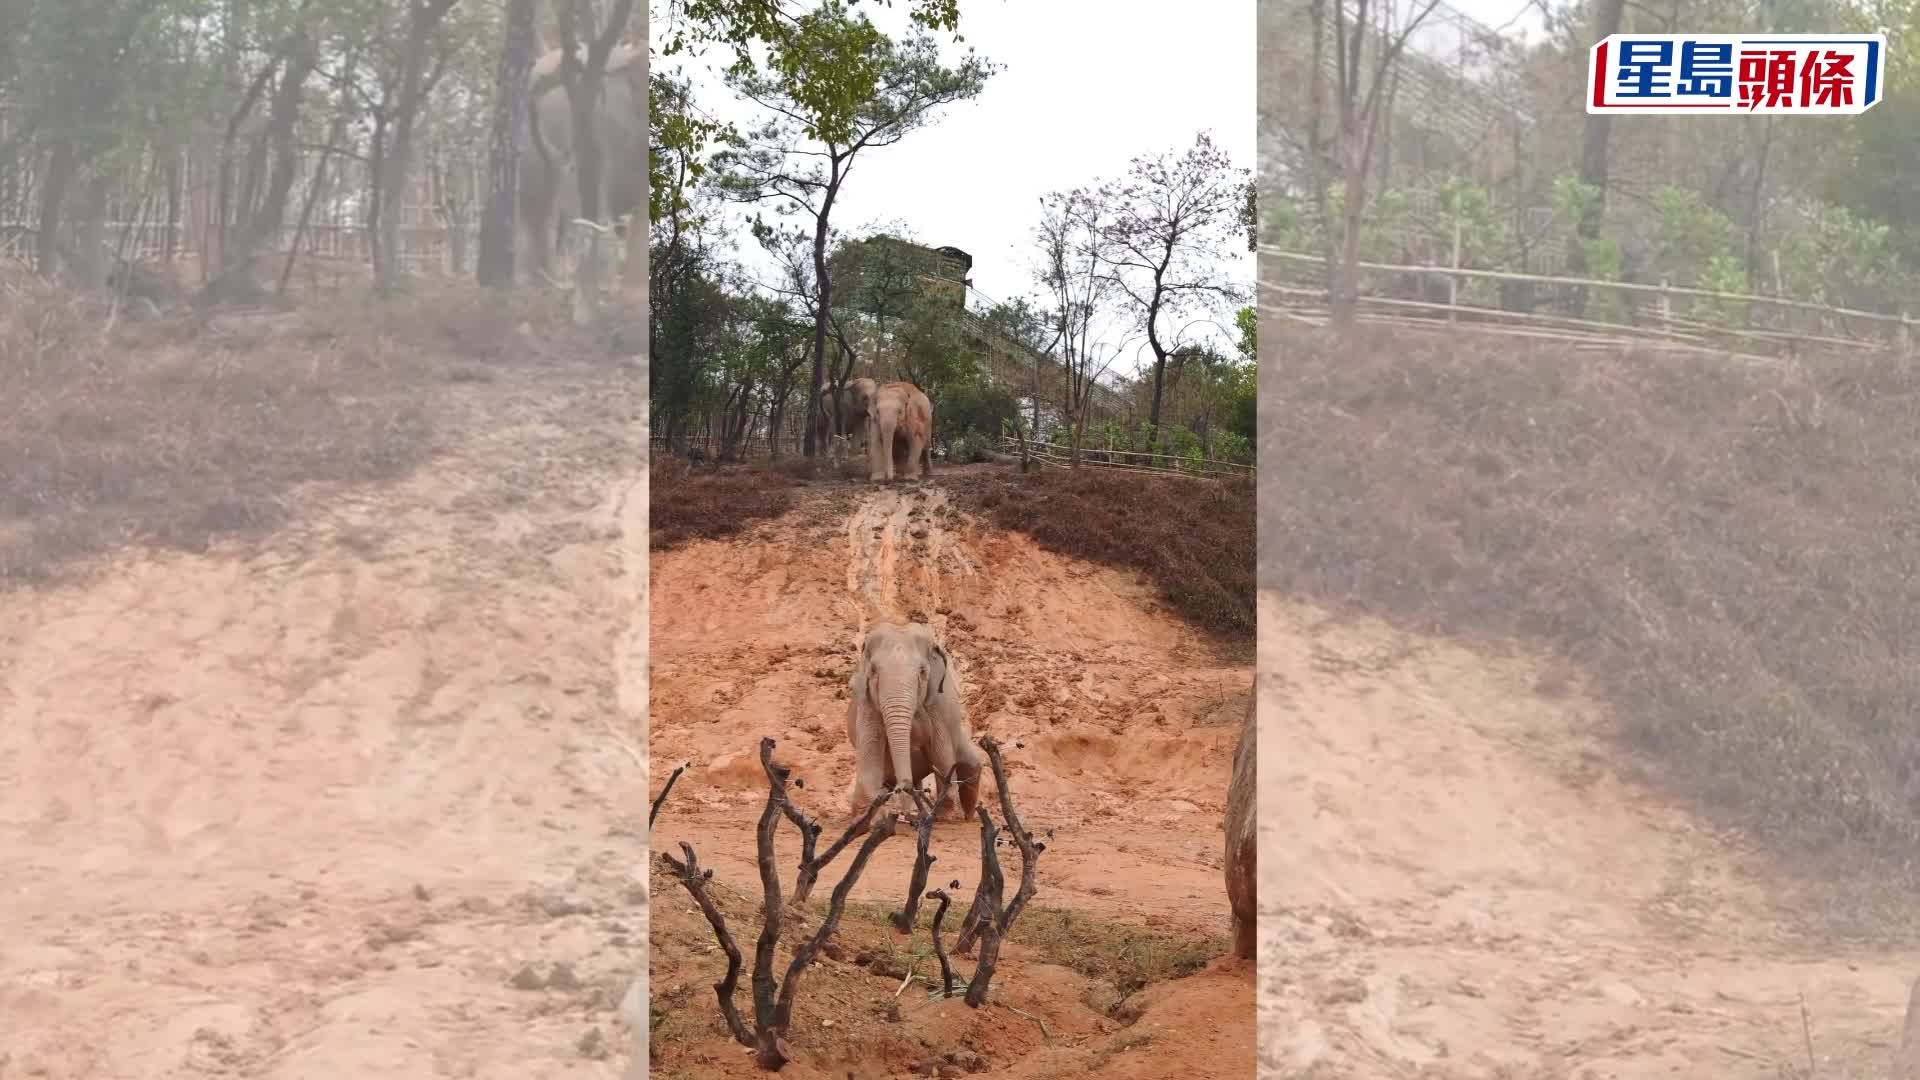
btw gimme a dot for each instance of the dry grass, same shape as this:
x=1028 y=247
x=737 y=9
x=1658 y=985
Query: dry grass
x=1194 y=539
x=687 y=502
x=1122 y=955
x=181 y=431
x=1732 y=554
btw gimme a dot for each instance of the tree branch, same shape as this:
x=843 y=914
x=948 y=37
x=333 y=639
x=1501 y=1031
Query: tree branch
x=695 y=879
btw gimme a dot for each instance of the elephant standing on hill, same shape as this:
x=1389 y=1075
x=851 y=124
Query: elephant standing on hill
x=856 y=398
x=549 y=181
x=899 y=432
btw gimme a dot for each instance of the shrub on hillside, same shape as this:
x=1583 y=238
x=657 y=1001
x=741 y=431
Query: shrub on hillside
x=1194 y=539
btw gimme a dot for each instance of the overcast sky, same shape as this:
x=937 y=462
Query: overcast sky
x=1083 y=87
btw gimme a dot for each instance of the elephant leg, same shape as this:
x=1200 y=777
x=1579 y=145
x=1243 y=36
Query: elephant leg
x=967 y=776
x=879 y=459
x=869 y=755
x=940 y=755
x=917 y=454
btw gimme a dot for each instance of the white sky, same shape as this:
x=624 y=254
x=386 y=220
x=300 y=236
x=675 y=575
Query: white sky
x=1083 y=87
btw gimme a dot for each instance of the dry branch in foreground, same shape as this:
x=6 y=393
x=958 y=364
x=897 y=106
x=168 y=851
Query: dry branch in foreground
x=695 y=879
x=986 y=901
x=946 y=969
x=773 y=1000
x=972 y=926
x=923 y=860
x=809 y=827
x=662 y=797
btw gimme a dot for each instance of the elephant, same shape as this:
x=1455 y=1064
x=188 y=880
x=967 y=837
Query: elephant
x=549 y=185
x=1243 y=840
x=906 y=722
x=856 y=397
x=899 y=432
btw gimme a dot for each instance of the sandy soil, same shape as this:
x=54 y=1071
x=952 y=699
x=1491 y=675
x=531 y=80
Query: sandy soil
x=1119 y=725
x=1468 y=887
x=308 y=808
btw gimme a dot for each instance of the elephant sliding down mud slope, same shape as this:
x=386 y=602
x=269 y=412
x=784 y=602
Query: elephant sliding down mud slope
x=899 y=432
x=1243 y=839
x=549 y=182
x=856 y=398
x=906 y=722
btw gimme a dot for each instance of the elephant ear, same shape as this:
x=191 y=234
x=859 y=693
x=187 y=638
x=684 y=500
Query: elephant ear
x=944 y=662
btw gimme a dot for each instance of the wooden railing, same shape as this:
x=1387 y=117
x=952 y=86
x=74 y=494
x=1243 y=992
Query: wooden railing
x=1767 y=326
x=1061 y=457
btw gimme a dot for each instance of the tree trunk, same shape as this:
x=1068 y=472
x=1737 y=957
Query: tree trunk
x=424 y=19
x=53 y=196
x=811 y=444
x=260 y=224
x=1595 y=141
x=509 y=136
x=89 y=269
x=170 y=239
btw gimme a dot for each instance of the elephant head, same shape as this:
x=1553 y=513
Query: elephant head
x=903 y=673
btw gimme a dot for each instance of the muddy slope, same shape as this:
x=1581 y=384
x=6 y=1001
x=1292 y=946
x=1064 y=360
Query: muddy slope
x=308 y=809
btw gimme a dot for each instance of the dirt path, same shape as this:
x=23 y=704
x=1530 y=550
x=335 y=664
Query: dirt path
x=306 y=810
x=1120 y=722
x=1471 y=889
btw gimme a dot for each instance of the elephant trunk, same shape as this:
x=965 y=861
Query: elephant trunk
x=897 y=705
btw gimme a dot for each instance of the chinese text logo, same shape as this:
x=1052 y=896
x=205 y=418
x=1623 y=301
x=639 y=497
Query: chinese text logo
x=1693 y=74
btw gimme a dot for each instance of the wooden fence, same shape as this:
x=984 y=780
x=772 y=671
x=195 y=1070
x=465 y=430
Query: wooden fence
x=1756 y=326
x=1061 y=457
x=178 y=209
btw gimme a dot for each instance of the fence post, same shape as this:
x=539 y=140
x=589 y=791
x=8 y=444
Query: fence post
x=1453 y=279
x=1666 y=308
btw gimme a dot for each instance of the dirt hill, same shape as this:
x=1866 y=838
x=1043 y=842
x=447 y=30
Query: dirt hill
x=1577 y=755
x=300 y=791
x=1119 y=721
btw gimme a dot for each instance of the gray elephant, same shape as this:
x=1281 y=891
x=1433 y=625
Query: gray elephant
x=899 y=432
x=856 y=397
x=906 y=722
x=549 y=184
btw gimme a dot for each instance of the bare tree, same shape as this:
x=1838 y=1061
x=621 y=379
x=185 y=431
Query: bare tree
x=1073 y=271
x=419 y=71
x=1170 y=226
x=1361 y=82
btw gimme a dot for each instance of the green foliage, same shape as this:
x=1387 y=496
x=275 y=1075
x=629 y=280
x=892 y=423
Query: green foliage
x=1603 y=264
x=678 y=140
x=1688 y=235
x=976 y=408
x=1727 y=274
x=1830 y=255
